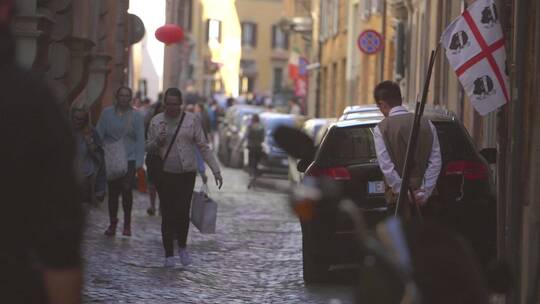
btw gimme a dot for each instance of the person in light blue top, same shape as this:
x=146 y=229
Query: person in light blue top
x=122 y=122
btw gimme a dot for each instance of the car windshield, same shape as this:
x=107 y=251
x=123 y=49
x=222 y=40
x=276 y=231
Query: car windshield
x=345 y=146
x=354 y=145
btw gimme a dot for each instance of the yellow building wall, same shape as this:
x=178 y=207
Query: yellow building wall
x=227 y=53
x=265 y=13
x=333 y=64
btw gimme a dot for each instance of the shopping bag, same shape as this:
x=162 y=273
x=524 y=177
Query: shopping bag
x=203 y=212
x=116 y=163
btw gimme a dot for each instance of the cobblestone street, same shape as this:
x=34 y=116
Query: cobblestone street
x=255 y=256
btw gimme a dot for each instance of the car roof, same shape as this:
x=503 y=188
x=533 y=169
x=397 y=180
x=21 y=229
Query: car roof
x=247 y=109
x=360 y=108
x=433 y=114
x=276 y=115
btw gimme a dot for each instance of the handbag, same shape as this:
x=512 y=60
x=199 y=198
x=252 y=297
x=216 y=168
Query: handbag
x=116 y=163
x=115 y=160
x=203 y=211
x=156 y=162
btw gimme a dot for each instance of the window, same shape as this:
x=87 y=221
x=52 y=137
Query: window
x=280 y=40
x=345 y=146
x=247 y=84
x=278 y=79
x=335 y=16
x=249 y=34
x=324 y=20
x=185 y=14
x=377 y=7
x=366 y=11
x=213 y=32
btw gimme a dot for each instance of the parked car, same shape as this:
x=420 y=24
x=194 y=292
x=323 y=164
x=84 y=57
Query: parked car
x=274 y=159
x=229 y=129
x=358 y=112
x=465 y=199
x=314 y=128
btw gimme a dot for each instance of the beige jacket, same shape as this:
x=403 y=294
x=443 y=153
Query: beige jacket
x=191 y=134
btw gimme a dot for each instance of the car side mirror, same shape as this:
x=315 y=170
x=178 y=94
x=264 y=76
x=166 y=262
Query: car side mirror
x=303 y=165
x=490 y=154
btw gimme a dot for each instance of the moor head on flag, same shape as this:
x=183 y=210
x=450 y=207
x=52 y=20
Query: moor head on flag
x=489 y=16
x=460 y=40
x=483 y=87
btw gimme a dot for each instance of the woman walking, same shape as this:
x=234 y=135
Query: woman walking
x=90 y=158
x=121 y=122
x=175 y=134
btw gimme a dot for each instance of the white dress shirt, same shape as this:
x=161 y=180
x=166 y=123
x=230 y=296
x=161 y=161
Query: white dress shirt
x=392 y=177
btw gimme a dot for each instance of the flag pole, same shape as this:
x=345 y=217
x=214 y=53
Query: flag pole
x=413 y=136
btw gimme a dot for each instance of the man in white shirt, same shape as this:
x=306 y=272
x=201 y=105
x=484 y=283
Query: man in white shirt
x=391 y=137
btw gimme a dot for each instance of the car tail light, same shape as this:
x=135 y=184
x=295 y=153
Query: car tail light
x=335 y=173
x=470 y=170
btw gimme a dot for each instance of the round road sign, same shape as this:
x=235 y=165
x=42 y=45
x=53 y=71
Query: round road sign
x=370 y=42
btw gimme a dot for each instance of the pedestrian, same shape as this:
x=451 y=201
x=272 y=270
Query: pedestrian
x=294 y=107
x=230 y=102
x=201 y=168
x=41 y=219
x=391 y=137
x=120 y=122
x=175 y=134
x=90 y=156
x=204 y=117
x=212 y=111
x=152 y=160
x=255 y=137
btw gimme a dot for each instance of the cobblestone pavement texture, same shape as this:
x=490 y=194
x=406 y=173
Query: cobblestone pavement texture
x=254 y=257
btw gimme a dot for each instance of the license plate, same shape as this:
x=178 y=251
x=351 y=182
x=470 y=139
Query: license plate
x=376 y=187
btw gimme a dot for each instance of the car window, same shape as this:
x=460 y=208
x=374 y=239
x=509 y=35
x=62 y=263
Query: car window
x=344 y=146
x=454 y=142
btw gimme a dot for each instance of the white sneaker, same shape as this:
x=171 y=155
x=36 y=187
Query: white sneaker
x=185 y=259
x=169 y=262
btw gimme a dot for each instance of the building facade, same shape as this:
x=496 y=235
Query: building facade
x=333 y=54
x=229 y=48
x=81 y=47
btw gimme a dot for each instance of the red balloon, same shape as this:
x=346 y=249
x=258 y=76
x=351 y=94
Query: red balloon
x=170 y=33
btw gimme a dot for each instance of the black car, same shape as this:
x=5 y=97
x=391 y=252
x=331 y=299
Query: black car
x=229 y=132
x=464 y=199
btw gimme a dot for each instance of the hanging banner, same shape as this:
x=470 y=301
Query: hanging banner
x=474 y=45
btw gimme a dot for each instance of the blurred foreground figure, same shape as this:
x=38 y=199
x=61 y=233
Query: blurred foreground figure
x=41 y=219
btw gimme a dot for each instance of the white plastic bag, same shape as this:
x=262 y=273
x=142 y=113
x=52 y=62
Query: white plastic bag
x=115 y=160
x=203 y=211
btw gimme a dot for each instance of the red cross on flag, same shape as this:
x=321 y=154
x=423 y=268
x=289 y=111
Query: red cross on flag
x=474 y=45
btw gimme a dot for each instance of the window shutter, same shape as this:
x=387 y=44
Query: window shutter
x=254 y=34
x=286 y=38
x=219 y=36
x=273 y=36
x=207 y=30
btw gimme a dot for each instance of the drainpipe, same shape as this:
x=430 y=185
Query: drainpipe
x=514 y=112
x=383 y=32
x=319 y=59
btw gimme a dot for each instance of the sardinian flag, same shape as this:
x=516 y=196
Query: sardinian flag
x=474 y=46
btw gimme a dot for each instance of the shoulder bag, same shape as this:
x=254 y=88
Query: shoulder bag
x=116 y=163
